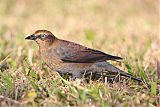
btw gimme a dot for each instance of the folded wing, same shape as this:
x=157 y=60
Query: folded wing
x=76 y=53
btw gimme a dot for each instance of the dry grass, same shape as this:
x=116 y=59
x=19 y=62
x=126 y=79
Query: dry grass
x=126 y=28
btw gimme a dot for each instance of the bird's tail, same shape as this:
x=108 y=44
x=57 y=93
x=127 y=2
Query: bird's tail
x=112 y=69
x=123 y=73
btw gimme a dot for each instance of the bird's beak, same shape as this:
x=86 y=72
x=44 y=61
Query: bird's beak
x=31 y=37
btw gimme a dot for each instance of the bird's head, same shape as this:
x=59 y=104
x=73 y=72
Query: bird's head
x=42 y=37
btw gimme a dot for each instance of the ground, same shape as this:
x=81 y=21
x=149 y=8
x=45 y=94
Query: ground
x=129 y=29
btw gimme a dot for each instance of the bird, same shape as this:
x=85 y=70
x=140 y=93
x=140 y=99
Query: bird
x=66 y=57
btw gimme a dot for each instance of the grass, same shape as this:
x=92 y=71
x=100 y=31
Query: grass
x=127 y=29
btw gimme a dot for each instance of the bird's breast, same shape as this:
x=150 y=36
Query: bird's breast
x=50 y=58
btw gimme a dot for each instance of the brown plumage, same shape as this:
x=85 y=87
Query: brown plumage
x=68 y=57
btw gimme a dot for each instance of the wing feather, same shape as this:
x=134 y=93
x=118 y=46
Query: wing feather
x=76 y=53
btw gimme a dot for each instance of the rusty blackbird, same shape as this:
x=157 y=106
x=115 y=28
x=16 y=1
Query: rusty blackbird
x=67 y=57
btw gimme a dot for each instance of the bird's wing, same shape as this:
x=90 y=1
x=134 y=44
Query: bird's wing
x=79 y=54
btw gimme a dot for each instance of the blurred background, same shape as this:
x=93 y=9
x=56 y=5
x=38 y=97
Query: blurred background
x=119 y=27
x=127 y=28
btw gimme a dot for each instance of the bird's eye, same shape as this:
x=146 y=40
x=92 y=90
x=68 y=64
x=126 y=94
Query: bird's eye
x=43 y=36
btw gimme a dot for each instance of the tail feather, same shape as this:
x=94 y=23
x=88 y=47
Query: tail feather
x=122 y=73
x=112 y=69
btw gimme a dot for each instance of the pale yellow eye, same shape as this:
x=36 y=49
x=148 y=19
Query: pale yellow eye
x=43 y=36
